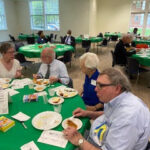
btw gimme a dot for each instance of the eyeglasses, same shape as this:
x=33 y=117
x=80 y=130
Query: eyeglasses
x=101 y=85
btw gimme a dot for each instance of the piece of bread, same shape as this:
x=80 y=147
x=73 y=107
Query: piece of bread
x=55 y=99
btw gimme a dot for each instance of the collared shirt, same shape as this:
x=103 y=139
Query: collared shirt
x=68 y=40
x=89 y=94
x=128 y=124
x=57 y=69
x=41 y=40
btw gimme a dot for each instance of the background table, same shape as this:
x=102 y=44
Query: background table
x=143 y=57
x=92 y=39
x=33 y=51
x=109 y=35
x=142 y=42
x=17 y=136
x=25 y=36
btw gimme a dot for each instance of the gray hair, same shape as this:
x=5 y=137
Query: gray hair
x=91 y=60
x=116 y=77
x=127 y=36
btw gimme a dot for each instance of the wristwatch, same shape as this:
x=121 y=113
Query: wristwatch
x=80 y=141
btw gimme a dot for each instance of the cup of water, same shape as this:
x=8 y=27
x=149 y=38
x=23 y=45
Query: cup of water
x=57 y=108
x=31 y=86
x=51 y=92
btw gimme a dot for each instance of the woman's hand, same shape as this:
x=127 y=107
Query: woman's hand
x=18 y=73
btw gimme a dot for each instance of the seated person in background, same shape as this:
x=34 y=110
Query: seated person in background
x=135 y=30
x=89 y=63
x=125 y=124
x=10 y=67
x=69 y=39
x=122 y=50
x=41 y=39
x=51 y=68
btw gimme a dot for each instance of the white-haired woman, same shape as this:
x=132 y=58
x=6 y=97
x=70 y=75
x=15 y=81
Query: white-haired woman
x=89 y=64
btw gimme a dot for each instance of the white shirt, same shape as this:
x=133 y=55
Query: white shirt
x=57 y=69
x=4 y=73
x=128 y=123
x=68 y=40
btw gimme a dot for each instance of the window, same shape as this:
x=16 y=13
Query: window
x=44 y=14
x=3 y=25
x=140 y=17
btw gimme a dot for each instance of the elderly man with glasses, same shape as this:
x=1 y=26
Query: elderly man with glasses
x=52 y=69
x=125 y=122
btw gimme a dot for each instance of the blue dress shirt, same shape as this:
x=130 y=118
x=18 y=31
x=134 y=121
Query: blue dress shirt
x=89 y=95
x=128 y=124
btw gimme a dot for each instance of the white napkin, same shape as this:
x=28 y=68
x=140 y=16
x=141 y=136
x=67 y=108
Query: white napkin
x=11 y=91
x=52 y=137
x=29 y=146
x=41 y=93
x=21 y=116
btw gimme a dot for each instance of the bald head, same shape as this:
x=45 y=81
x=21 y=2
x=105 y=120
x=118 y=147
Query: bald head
x=48 y=55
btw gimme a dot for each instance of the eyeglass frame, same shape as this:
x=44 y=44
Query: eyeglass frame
x=101 y=85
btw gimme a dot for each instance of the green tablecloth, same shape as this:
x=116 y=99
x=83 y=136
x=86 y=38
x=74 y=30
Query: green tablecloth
x=24 y=36
x=92 y=39
x=17 y=136
x=33 y=51
x=143 y=58
x=142 y=42
x=108 y=35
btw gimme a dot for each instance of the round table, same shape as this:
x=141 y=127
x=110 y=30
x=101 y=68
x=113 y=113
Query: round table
x=143 y=57
x=142 y=42
x=109 y=35
x=25 y=36
x=92 y=39
x=33 y=51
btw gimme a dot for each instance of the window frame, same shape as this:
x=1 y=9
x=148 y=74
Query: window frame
x=145 y=12
x=44 y=14
x=4 y=17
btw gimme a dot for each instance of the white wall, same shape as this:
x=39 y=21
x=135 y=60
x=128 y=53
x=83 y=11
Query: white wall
x=10 y=9
x=113 y=15
x=74 y=15
x=81 y=16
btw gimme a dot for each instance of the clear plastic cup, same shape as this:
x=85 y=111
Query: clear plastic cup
x=51 y=92
x=57 y=108
x=31 y=86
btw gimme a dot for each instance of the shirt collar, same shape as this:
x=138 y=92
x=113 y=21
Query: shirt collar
x=115 y=101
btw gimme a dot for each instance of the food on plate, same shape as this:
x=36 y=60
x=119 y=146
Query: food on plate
x=70 y=123
x=45 y=81
x=56 y=99
x=39 y=88
x=39 y=82
x=5 y=86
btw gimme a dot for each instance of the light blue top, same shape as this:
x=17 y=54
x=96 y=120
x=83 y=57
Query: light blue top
x=128 y=124
x=57 y=69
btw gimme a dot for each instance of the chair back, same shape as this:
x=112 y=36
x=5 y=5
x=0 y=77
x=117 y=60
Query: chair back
x=114 y=37
x=18 y=45
x=104 y=42
x=141 y=46
x=30 y=40
x=70 y=84
x=113 y=59
x=100 y=34
x=132 y=66
x=55 y=37
x=86 y=43
x=20 y=57
x=62 y=39
x=12 y=38
x=67 y=56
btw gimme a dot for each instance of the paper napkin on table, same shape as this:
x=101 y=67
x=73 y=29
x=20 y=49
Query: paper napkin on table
x=29 y=146
x=52 y=137
x=21 y=116
x=11 y=92
x=41 y=93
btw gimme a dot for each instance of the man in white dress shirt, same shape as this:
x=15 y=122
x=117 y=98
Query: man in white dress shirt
x=51 y=68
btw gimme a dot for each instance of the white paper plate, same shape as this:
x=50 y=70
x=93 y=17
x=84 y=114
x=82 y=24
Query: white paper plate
x=52 y=100
x=77 y=121
x=67 y=92
x=5 y=80
x=39 y=88
x=46 y=120
x=42 y=82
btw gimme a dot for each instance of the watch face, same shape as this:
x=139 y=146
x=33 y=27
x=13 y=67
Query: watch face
x=80 y=141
